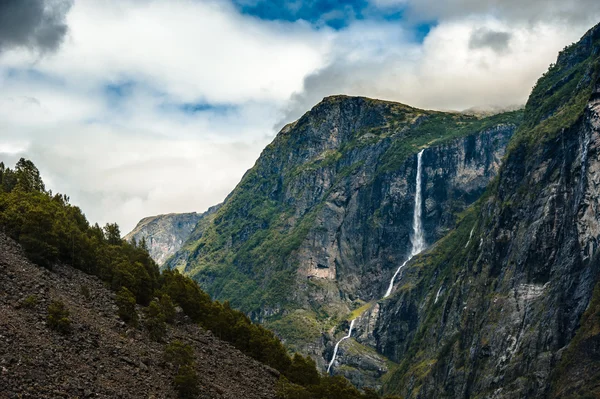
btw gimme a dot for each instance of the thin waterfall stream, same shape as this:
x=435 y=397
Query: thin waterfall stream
x=417 y=241
x=337 y=345
x=418 y=237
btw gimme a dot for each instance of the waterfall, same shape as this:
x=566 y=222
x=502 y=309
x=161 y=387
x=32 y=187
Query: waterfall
x=337 y=345
x=437 y=296
x=470 y=236
x=418 y=238
x=418 y=245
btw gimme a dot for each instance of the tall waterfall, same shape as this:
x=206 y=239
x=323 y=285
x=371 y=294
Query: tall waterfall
x=418 y=238
x=418 y=245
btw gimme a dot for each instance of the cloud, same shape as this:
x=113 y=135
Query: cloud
x=530 y=11
x=495 y=40
x=33 y=24
x=160 y=106
x=152 y=107
x=462 y=63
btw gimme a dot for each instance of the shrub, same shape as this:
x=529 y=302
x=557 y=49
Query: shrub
x=167 y=308
x=186 y=382
x=288 y=390
x=30 y=302
x=303 y=371
x=85 y=291
x=155 y=321
x=179 y=354
x=126 y=304
x=58 y=317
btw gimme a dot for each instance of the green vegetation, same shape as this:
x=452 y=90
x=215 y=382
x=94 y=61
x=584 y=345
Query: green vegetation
x=559 y=97
x=30 y=302
x=126 y=306
x=58 y=317
x=85 y=291
x=327 y=388
x=356 y=313
x=67 y=237
x=156 y=321
x=435 y=128
x=186 y=382
x=181 y=356
x=167 y=308
x=299 y=326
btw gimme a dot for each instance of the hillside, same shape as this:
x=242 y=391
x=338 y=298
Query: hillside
x=102 y=357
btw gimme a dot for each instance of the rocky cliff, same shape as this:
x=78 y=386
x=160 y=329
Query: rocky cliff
x=315 y=230
x=165 y=234
x=507 y=304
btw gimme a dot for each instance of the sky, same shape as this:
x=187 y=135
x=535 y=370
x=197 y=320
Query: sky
x=142 y=107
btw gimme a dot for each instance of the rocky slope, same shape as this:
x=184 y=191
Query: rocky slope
x=318 y=226
x=507 y=305
x=101 y=357
x=165 y=234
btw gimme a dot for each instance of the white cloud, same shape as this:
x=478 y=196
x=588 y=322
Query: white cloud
x=445 y=71
x=124 y=157
x=531 y=11
x=188 y=49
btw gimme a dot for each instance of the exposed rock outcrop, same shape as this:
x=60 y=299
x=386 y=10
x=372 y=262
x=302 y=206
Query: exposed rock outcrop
x=166 y=234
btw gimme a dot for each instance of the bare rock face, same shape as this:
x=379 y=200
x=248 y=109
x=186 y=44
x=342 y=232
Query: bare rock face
x=165 y=234
x=101 y=357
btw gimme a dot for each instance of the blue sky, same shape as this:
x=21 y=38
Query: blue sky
x=139 y=107
x=332 y=13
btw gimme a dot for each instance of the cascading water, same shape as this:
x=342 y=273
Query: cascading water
x=337 y=345
x=418 y=245
x=418 y=237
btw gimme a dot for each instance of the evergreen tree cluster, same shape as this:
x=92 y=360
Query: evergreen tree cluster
x=51 y=230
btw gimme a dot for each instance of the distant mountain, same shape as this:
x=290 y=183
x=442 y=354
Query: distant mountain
x=165 y=234
x=317 y=228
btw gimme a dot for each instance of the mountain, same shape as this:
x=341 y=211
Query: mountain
x=317 y=228
x=165 y=234
x=507 y=305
